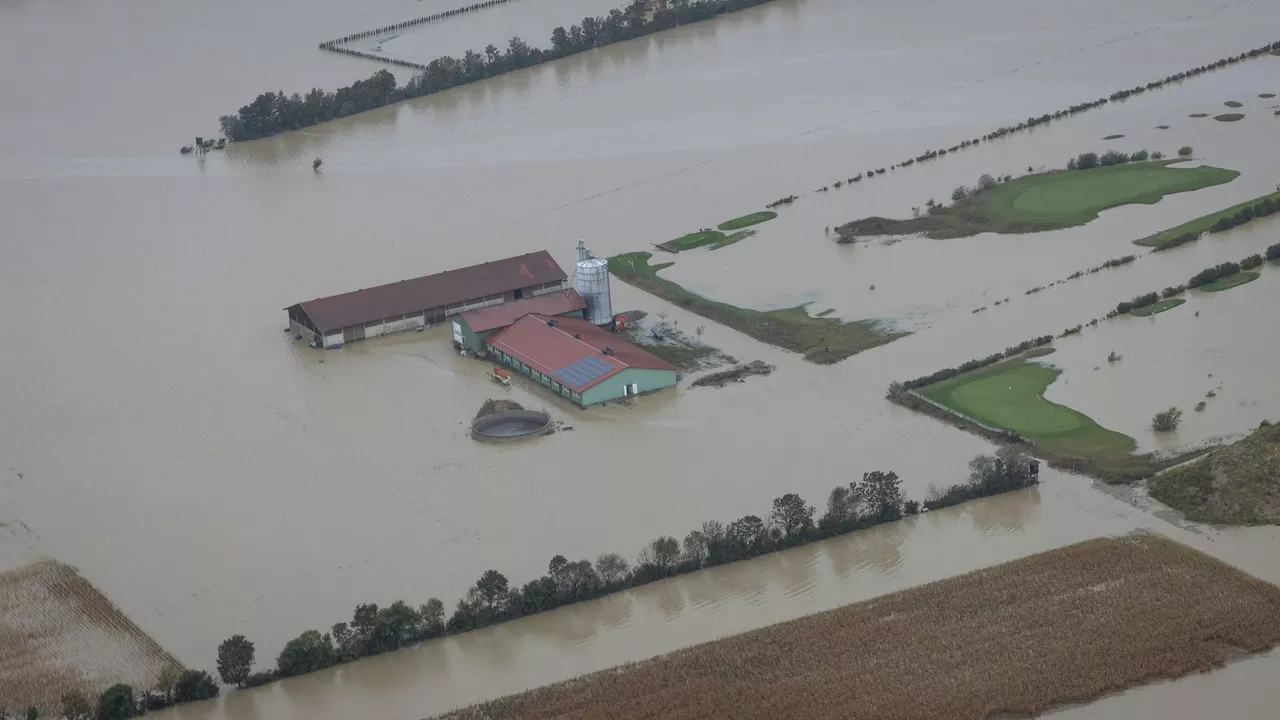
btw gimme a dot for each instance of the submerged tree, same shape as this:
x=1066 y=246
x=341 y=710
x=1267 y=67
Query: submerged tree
x=1166 y=420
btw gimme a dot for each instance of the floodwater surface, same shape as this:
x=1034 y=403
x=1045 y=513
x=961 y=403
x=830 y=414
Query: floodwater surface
x=211 y=476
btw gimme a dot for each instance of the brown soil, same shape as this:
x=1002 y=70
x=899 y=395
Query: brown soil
x=58 y=633
x=492 y=406
x=734 y=374
x=1236 y=485
x=1064 y=626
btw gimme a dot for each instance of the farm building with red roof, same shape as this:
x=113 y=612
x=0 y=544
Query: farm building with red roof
x=577 y=360
x=415 y=303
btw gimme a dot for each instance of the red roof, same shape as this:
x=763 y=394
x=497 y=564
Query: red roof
x=500 y=316
x=451 y=287
x=548 y=348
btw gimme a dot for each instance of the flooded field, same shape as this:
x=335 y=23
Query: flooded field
x=155 y=412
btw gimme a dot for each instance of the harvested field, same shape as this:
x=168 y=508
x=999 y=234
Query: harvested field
x=61 y=634
x=1064 y=626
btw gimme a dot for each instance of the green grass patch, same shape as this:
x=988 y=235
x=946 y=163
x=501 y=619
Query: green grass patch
x=1157 y=308
x=1228 y=117
x=1049 y=201
x=822 y=340
x=1226 y=283
x=1199 y=115
x=1199 y=225
x=1266 y=96
x=714 y=238
x=754 y=218
x=1113 y=137
x=693 y=240
x=1010 y=395
x=1233 y=104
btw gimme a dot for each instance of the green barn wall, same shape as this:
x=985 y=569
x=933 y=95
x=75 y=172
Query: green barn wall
x=615 y=387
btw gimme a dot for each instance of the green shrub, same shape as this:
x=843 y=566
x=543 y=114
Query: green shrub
x=1185 y=151
x=1252 y=261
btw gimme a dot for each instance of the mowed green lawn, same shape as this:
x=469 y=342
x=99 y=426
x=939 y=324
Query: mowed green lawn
x=1010 y=395
x=1065 y=199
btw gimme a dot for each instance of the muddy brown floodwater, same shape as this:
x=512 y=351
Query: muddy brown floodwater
x=211 y=476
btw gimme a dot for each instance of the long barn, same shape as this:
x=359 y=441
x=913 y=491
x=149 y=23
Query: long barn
x=415 y=303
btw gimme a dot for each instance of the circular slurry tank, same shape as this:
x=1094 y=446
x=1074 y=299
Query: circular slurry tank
x=510 y=425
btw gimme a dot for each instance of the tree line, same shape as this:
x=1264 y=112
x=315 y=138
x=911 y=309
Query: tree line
x=276 y=112
x=874 y=499
x=330 y=44
x=1072 y=110
x=1264 y=207
x=897 y=388
x=1204 y=277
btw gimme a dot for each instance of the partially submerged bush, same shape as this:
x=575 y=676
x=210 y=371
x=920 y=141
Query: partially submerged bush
x=1185 y=151
x=1166 y=420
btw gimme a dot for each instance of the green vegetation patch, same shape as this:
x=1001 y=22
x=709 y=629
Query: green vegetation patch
x=1236 y=484
x=1230 y=281
x=1113 y=137
x=1049 y=201
x=1010 y=395
x=754 y=218
x=1162 y=127
x=714 y=238
x=1233 y=104
x=1201 y=224
x=822 y=340
x=1199 y=115
x=1266 y=96
x=1157 y=308
x=1228 y=117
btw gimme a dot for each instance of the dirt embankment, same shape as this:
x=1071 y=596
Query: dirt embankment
x=492 y=406
x=1235 y=485
x=58 y=633
x=734 y=374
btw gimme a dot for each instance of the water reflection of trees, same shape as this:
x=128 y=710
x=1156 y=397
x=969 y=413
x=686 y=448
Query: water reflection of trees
x=1005 y=513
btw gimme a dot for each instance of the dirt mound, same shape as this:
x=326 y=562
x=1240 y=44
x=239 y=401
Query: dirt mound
x=492 y=406
x=734 y=374
x=1236 y=485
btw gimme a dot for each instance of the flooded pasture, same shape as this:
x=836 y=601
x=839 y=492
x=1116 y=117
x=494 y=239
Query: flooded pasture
x=211 y=476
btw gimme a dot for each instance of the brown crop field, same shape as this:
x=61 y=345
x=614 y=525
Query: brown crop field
x=1065 y=626
x=58 y=633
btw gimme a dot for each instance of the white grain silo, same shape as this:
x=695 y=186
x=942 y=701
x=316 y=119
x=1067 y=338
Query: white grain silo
x=591 y=278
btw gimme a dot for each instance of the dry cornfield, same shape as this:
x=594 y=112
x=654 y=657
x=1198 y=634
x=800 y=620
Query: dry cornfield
x=1064 y=626
x=58 y=633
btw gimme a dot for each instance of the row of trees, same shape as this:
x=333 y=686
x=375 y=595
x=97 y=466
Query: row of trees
x=1217 y=272
x=1034 y=121
x=120 y=701
x=1204 y=277
x=275 y=112
x=874 y=499
x=897 y=388
x=1264 y=207
x=1087 y=160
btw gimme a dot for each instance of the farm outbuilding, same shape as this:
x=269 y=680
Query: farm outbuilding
x=470 y=328
x=415 y=303
x=577 y=360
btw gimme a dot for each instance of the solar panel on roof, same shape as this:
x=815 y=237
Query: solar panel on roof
x=582 y=372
